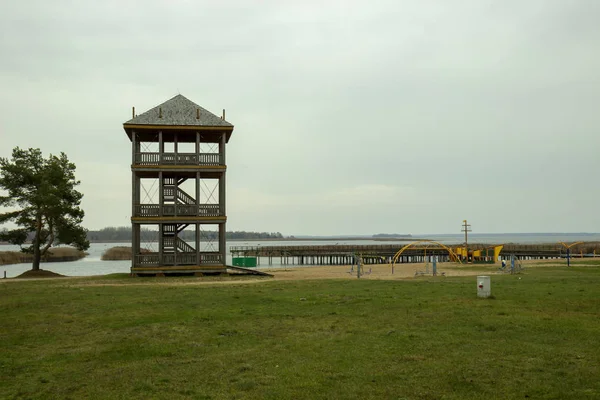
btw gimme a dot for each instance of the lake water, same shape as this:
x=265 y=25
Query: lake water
x=92 y=265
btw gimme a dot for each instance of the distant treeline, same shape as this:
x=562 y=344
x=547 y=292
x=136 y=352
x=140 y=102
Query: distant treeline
x=390 y=235
x=123 y=234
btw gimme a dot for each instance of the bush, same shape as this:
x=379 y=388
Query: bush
x=58 y=254
x=119 y=253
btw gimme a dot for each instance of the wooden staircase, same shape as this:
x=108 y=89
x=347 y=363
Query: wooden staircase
x=172 y=193
x=172 y=243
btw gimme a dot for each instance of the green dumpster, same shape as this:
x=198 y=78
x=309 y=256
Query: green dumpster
x=246 y=262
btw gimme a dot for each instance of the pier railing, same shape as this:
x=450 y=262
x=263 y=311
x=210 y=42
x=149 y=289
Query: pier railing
x=264 y=251
x=417 y=253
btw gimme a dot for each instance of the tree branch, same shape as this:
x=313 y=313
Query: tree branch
x=4 y=217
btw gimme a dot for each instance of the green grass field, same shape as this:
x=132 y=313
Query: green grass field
x=424 y=338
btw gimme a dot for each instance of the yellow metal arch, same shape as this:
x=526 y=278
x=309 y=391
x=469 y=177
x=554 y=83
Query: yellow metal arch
x=450 y=251
x=568 y=246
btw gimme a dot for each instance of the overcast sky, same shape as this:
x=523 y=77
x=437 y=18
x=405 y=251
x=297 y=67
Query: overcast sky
x=351 y=117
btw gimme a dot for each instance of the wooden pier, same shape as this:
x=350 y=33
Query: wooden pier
x=419 y=252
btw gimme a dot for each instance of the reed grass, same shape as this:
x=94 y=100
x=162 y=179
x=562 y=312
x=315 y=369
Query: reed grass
x=56 y=254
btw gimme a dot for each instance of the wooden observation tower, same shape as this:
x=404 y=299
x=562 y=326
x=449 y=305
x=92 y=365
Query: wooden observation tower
x=178 y=189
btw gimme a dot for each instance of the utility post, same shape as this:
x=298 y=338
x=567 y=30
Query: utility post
x=466 y=228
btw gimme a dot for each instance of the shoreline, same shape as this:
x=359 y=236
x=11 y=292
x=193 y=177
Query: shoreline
x=402 y=272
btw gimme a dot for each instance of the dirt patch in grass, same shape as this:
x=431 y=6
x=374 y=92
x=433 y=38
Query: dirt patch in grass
x=42 y=273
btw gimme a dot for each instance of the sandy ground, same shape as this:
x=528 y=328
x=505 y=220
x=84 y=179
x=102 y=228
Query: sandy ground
x=401 y=271
x=377 y=271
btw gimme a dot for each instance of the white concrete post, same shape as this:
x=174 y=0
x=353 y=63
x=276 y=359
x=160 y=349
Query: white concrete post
x=484 y=286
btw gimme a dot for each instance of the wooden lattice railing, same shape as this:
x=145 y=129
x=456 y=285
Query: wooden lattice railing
x=153 y=259
x=201 y=210
x=146 y=158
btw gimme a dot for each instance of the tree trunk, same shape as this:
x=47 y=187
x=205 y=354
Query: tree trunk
x=36 y=258
x=36 y=246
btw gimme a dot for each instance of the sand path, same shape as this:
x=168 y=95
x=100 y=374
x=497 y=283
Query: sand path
x=377 y=271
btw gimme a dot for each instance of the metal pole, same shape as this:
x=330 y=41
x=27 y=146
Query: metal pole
x=466 y=229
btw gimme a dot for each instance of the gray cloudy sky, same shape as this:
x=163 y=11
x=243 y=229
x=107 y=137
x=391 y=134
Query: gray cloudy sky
x=350 y=117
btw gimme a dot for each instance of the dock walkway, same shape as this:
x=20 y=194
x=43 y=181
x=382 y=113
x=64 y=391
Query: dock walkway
x=384 y=253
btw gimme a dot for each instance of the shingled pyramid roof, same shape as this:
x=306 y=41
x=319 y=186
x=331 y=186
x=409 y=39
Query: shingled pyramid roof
x=178 y=111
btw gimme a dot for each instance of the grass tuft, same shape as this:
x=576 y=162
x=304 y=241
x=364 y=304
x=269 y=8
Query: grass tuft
x=55 y=254
x=119 y=253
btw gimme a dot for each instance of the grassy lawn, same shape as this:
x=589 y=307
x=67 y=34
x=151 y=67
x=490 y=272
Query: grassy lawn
x=426 y=338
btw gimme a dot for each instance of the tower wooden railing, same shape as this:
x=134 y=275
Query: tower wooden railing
x=146 y=158
x=169 y=259
x=202 y=210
